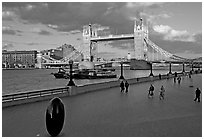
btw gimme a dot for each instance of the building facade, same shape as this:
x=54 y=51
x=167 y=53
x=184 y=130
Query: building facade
x=19 y=59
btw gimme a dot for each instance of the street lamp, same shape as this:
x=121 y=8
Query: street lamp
x=170 y=68
x=71 y=82
x=151 y=73
x=183 y=67
x=121 y=71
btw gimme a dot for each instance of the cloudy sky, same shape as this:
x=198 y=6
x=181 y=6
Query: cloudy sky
x=175 y=27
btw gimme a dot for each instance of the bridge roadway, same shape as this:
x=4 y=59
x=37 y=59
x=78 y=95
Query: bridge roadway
x=111 y=113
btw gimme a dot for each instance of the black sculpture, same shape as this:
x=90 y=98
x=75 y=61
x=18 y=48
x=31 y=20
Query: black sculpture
x=55 y=115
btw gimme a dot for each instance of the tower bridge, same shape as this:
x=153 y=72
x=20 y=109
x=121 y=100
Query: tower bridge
x=145 y=51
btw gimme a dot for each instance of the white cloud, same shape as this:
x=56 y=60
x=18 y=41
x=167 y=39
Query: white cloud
x=29 y=7
x=75 y=31
x=53 y=26
x=172 y=34
x=153 y=18
x=109 y=10
x=162 y=29
x=141 y=4
x=7 y=15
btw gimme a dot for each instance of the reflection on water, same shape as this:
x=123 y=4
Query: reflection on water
x=14 y=81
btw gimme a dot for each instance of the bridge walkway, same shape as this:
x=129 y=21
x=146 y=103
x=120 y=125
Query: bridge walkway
x=111 y=113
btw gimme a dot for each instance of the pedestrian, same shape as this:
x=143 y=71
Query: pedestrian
x=126 y=86
x=179 y=79
x=174 y=79
x=167 y=75
x=175 y=74
x=197 y=92
x=122 y=86
x=151 y=91
x=161 y=95
x=160 y=76
x=189 y=75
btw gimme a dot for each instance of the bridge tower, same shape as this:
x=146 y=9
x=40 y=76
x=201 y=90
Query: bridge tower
x=140 y=48
x=89 y=47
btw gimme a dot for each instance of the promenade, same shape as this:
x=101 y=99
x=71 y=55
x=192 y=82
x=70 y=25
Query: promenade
x=108 y=113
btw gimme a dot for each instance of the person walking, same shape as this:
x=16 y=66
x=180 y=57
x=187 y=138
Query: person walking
x=126 y=86
x=160 y=76
x=189 y=75
x=174 y=79
x=197 y=92
x=179 y=79
x=122 y=86
x=151 y=91
x=161 y=95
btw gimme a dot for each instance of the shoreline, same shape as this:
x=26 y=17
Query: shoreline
x=22 y=98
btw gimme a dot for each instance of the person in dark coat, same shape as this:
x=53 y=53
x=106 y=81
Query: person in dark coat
x=179 y=79
x=197 y=92
x=122 y=86
x=174 y=79
x=175 y=74
x=160 y=76
x=151 y=91
x=126 y=86
x=161 y=95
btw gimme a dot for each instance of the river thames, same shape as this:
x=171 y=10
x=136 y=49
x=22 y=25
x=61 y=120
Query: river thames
x=16 y=81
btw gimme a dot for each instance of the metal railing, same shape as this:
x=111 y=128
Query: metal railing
x=33 y=94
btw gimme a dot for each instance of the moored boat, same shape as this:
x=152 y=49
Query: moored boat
x=86 y=74
x=61 y=74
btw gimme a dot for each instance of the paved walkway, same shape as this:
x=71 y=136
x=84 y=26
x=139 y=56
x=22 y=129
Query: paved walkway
x=111 y=113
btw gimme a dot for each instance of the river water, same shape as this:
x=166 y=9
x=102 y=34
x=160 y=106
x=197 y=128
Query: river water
x=15 y=81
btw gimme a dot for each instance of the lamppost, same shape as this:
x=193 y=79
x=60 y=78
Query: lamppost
x=183 y=67
x=151 y=73
x=170 y=68
x=121 y=71
x=90 y=47
x=71 y=82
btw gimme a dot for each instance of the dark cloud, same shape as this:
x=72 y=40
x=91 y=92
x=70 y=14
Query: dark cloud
x=44 y=32
x=32 y=43
x=198 y=38
x=9 y=32
x=71 y=16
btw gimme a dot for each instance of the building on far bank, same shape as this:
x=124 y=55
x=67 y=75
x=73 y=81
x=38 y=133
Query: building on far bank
x=19 y=59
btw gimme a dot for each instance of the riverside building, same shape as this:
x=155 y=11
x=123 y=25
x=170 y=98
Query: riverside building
x=19 y=59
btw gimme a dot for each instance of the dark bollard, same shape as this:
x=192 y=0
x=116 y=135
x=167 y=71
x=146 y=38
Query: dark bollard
x=160 y=76
x=55 y=115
